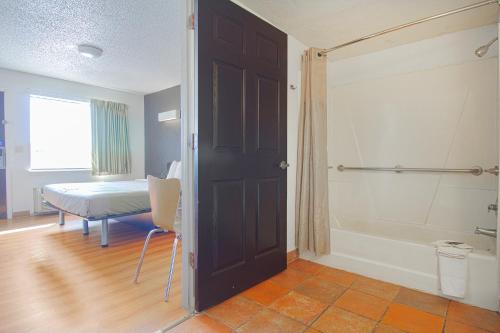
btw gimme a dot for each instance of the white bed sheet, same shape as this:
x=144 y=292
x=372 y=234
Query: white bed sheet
x=99 y=199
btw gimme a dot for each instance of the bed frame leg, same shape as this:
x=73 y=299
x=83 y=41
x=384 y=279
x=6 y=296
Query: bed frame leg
x=61 y=217
x=104 y=233
x=85 y=223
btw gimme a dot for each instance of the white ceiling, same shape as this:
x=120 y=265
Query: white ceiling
x=326 y=23
x=141 y=41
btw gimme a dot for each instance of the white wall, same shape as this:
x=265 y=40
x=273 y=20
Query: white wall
x=295 y=50
x=431 y=103
x=497 y=47
x=17 y=87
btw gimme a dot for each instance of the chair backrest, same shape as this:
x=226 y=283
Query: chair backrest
x=164 y=197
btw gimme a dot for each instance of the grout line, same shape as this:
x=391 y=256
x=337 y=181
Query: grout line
x=319 y=316
x=284 y=315
x=446 y=316
x=385 y=312
x=262 y=308
x=330 y=305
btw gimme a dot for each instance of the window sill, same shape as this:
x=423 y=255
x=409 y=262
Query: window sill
x=57 y=170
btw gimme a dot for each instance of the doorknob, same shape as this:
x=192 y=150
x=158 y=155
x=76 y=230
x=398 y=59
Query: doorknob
x=283 y=165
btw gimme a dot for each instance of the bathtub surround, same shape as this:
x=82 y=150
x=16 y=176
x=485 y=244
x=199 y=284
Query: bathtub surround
x=311 y=205
x=427 y=104
x=432 y=103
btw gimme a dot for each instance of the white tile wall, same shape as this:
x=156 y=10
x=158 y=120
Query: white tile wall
x=440 y=111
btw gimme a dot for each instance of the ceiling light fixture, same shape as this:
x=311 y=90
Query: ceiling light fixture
x=89 y=51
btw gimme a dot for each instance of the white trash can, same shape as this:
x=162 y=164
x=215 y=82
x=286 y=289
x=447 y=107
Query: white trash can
x=453 y=269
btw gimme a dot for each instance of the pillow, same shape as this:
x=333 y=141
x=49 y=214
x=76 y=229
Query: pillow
x=173 y=169
x=178 y=171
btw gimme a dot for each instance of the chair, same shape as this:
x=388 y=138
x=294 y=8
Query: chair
x=164 y=196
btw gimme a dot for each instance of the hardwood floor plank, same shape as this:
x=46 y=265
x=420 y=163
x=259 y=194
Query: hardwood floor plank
x=54 y=279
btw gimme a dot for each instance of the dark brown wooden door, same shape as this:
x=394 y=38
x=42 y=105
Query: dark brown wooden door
x=241 y=216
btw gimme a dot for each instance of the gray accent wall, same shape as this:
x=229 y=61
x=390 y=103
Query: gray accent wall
x=162 y=139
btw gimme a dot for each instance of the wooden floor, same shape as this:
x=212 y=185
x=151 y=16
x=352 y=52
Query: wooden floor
x=54 y=279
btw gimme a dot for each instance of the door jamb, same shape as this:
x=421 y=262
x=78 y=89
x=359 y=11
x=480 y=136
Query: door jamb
x=188 y=128
x=8 y=184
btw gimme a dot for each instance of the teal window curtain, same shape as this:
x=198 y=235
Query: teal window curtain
x=110 y=138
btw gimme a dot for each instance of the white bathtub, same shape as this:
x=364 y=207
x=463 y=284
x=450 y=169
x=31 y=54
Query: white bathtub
x=410 y=264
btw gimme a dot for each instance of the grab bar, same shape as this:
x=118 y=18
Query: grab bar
x=476 y=170
x=486 y=232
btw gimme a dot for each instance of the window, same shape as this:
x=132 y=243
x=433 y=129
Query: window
x=60 y=134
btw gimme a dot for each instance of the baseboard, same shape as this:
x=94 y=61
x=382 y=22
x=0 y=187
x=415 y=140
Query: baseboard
x=23 y=213
x=292 y=256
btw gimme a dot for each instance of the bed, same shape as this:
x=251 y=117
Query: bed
x=99 y=201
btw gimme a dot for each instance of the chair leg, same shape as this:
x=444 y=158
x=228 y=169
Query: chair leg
x=85 y=223
x=143 y=253
x=172 y=261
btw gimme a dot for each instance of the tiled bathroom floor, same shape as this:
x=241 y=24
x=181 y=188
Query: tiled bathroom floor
x=312 y=298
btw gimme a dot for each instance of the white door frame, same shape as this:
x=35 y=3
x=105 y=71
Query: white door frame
x=498 y=189
x=188 y=130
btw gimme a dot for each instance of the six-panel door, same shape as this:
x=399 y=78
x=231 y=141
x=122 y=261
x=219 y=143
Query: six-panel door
x=241 y=216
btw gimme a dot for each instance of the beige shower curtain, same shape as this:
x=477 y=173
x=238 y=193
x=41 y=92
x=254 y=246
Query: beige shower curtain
x=311 y=203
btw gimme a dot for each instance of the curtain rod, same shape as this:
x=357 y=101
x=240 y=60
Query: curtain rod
x=406 y=25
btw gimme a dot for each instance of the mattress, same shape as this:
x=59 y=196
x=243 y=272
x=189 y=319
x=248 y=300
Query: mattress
x=98 y=200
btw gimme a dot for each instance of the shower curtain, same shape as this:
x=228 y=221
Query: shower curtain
x=312 y=223
x=110 y=138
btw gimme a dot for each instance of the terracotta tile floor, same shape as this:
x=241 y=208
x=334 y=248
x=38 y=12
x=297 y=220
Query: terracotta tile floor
x=312 y=298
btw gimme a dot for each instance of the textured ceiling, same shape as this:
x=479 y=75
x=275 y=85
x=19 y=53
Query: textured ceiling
x=140 y=39
x=325 y=23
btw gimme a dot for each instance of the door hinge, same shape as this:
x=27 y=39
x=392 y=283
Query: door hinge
x=194 y=141
x=191 y=22
x=192 y=260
